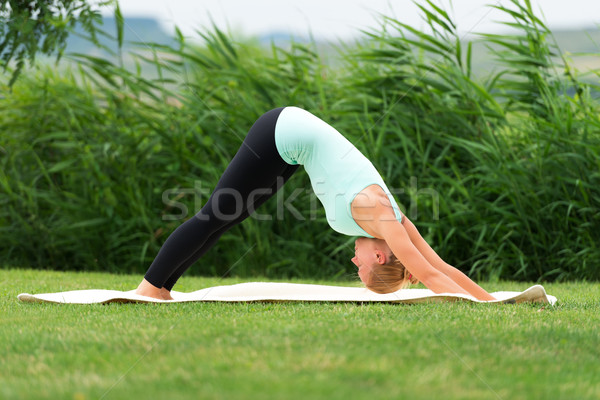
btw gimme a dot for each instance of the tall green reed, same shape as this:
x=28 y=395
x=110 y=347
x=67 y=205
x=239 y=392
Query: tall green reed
x=95 y=163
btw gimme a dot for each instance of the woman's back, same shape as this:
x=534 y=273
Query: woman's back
x=338 y=171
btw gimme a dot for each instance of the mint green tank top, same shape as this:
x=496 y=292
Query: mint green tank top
x=338 y=171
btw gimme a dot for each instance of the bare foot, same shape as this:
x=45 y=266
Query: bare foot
x=147 y=289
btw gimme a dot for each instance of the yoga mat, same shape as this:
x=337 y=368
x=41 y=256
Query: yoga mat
x=273 y=291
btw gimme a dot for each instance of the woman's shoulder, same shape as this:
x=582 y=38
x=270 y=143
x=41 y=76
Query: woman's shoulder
x=371 y=196
x=371 y=208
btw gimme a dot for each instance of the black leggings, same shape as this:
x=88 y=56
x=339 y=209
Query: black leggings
x=254 y=175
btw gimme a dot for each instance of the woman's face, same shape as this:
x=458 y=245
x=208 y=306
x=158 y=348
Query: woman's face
x=367 y=253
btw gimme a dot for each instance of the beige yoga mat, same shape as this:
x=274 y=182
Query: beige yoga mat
x=273 y=291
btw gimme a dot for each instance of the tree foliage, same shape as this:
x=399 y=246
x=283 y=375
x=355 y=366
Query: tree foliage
x=31 y=27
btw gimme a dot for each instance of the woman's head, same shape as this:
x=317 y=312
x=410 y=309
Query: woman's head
x=378 y=267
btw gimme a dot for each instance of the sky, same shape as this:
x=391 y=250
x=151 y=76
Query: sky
x=343 y=19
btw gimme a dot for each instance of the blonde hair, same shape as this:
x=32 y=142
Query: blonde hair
x=389 y=277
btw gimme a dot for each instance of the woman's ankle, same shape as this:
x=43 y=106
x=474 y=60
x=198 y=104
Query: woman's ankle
x=166 y=294
x=145 y=288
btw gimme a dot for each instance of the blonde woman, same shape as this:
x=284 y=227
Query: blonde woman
x=389 y=253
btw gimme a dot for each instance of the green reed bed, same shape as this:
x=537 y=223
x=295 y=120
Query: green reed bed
x=498 y=168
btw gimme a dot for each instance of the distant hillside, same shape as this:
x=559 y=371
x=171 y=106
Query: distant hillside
x=139 y=30
x=579 y=41
x=135 y=30
x=581 y=46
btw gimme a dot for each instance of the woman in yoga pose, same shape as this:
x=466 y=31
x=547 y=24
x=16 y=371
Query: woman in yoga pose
x=389 y=253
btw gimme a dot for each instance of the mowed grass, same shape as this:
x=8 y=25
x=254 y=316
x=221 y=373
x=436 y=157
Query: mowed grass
x=293 y=350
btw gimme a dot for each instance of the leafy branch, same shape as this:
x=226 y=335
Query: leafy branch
x=28 y=28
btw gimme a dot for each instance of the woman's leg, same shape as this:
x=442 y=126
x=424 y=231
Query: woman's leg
x=216 y=235
x=250 y=175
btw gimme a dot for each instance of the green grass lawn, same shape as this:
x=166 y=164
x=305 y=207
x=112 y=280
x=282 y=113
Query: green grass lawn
x=293 y=350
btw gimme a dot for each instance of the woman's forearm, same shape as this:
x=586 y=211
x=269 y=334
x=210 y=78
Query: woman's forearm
x=441 y=283
x=465 y=282
x=458 y=276
x=436 y=261
x=446 y=280
x=419 y=266
x=403 y=248
x=454 y=274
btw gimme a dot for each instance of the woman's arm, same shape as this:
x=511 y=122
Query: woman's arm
x=436 y=261
x=399 y=242
x=373 y=212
